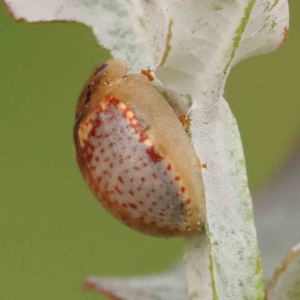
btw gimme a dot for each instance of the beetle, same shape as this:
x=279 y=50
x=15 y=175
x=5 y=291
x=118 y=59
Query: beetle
x=135 y=155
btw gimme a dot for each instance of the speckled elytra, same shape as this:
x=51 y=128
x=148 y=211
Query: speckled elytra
x=135 y=155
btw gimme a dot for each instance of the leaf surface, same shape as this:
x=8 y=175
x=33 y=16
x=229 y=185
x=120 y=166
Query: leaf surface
x=277 y=214
x=215 y=36
x=285 y=284
x=118 y=25
x=169 y=285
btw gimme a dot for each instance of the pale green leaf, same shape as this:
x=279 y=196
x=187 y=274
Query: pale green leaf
x=215 y=35
x=118 y=25
x=169 y=285
x=196 y=261
x=277 y=214
x=285 y=284
x=158 y=15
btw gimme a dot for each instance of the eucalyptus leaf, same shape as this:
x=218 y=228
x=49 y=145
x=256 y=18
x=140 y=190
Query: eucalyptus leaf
x=285 y=284
x=168 y=285
x=158 y=15
x=277 y=214
x=215 y=35
x=118 y=25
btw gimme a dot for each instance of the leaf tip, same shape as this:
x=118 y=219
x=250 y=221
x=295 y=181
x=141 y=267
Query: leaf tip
x=285 y=35
x=10 y=9
x=90 y=284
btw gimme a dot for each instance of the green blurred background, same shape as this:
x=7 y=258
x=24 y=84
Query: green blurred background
x=53 y=231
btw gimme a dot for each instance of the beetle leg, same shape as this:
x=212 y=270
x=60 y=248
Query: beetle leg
x=184 y=121
x=148 y=74
x=202 y=166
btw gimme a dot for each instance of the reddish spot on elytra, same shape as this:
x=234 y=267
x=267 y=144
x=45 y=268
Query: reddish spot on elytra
x=133 y=205
x=118 y=190
x=143 y=137
x=131 y=192
x=156 y=157
x=111 y=165
x=169 y=167
x=112 y=99
x=188 y=201
x=92 y=132
x=154 y=176
x=97 y=158
x=183 y=189
x=89 y=157
x=102 y=150
x=154 y=203
x=106 y=159
x=143 y=179
x=141 y=202
x=124 y=205
x=105 y=172
x=177 y=178
x=97 y=122
x=120 y=179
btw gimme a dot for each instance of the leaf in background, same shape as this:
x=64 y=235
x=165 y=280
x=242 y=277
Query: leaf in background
x=285 y=284
x=203 y=41
x=196 y=262
x=277 y=214
x=169 y=285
